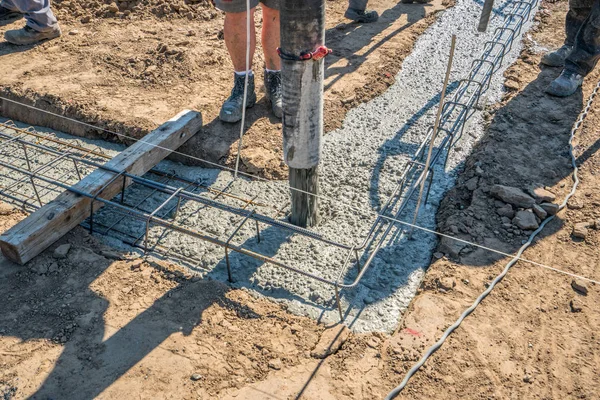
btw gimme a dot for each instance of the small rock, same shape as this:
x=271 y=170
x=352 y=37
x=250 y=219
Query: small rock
x=528 y=378
x=446 y=284
x=438 y=255
x=275 y=364
x=512 y=195
x=74 y=32
x=511 y=84
x=551 y=209
x=597 y=224
x=41 y=269
x=331 y=341
x=62 y=251
x=86 y=19
x=542 y=195
x=580 y=230
x=540 y=212
x=472 y=183
x=575 y=306
x=579 y=286
x=526 y=220
x=113 y=8
x=574 y=204
x=196 y=377
x=6 y=209
x=506 y=211
x=127 y=289
x=53 y=267
x=111 y=255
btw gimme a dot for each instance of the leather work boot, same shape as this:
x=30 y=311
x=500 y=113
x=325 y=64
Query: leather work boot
x=5 y=14
x=557 y=57
x=273 y=89
x=363 y=17
x=566 y=84
x=231 y=111
x=29 y=35
x=415 y=1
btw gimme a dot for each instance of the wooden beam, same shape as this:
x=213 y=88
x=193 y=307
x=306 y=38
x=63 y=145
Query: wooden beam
x=45 y=226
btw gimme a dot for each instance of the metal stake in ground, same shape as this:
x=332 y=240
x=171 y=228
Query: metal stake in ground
x=302 y=51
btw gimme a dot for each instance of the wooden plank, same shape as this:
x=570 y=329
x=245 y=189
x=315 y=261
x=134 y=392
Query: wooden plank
x=41 y=229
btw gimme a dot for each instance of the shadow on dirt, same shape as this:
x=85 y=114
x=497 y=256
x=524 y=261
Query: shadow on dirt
x=348 y=40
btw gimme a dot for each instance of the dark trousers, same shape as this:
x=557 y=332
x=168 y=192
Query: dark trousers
x=583 y=33
x=360 y=5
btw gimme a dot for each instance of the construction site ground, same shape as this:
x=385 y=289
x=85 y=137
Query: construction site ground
x=103 y=324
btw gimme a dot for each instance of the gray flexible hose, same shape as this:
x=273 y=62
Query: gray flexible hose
x=512 y=262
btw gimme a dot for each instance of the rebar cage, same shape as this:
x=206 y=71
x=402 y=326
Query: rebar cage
x=161 y=202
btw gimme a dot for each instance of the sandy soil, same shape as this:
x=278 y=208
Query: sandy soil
x=131 y=72
x=93 y=324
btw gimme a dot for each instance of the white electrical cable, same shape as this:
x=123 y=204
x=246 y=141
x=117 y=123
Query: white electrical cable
x=244 y=103
x=483 y=295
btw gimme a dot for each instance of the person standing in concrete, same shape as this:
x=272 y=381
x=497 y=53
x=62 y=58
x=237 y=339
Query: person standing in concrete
x=581 y=50
x=357 y=12
x=235 y=40
x=41 y=22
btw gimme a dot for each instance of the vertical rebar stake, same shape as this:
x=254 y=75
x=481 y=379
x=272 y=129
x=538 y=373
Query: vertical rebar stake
x=435 y=131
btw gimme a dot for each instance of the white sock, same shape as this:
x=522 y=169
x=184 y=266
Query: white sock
x=272 y=70
x=243 y=73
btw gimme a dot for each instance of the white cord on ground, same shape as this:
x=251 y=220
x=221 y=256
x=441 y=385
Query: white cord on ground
x=516 y=258
x=244 y=103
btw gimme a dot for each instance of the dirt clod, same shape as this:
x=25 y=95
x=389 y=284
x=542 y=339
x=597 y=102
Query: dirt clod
x=526 y=220
x=512 y=195
x=580 y=230
x=331 y=341
x=61 y=251
x=575 y=305
x=579 y=286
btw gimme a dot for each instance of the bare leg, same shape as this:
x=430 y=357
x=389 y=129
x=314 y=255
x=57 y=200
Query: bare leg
x=235 y=39
x=270 y=38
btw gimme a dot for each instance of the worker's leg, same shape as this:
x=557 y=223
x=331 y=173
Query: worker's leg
x=586 y=51
x=270 y=43
x=41 y=22
x=584 y=57
x=357 y=12
x=8 y=11
x=579 y=10
x=236 y=41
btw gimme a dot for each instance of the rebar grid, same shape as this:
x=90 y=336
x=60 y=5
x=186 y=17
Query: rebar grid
x=455 y=114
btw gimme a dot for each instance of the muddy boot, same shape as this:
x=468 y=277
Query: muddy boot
x=29 y=35
x=273 y=89
x=557 y=57
x=232 y=108
x=363 y=17
x=6 y=14
x=566 y=84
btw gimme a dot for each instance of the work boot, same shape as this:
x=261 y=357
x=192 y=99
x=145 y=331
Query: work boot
x=273 y=89
x=29 y=35
x=557 y=57
x=363 y=17
x=5 y=13
x=232 y=108
x=566 y=84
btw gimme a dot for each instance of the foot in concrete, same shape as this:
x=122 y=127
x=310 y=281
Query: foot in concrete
x=29 y=35
x=363 y=17
x=273 y=89
x=557 y=57
x=566 y=84
x=5 y=14
x=231 y=111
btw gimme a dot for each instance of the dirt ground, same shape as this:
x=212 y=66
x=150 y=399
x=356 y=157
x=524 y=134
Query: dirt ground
x=95 y=325
x=132 y=70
